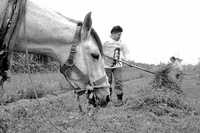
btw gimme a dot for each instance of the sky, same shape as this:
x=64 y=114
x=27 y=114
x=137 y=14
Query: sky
x=153 y=30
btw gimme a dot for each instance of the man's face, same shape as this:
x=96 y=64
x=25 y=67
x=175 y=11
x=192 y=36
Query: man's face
x=116 y=36
x=172 y=60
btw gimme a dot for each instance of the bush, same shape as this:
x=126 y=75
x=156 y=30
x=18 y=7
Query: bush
x=19 y=65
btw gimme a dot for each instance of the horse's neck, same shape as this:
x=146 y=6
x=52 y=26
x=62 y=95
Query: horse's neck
x=44 y=31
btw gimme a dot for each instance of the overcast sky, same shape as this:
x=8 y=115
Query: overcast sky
x=154 y=30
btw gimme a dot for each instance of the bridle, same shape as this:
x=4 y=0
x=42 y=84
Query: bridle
x=68 y=67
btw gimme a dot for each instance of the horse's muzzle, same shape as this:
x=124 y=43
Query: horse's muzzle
x=105 y=102
x=98 y=98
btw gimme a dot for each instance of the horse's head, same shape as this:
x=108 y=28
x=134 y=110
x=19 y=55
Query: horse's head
x=87 y=69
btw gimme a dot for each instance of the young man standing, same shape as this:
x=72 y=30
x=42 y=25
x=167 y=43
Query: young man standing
x=114 y=48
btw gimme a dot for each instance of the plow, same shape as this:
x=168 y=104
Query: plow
x=165 y=76
x=130 y=65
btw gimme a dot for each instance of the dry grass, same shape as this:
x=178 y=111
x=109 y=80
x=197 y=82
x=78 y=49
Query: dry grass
x=22 y=87
x=164 y=79
x=147 y=110
x=164 y=103
x=165 y=111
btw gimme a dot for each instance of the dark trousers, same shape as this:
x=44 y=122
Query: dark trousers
x=117 y=77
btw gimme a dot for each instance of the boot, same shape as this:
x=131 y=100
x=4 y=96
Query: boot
x=110 y=91
x=119 y=100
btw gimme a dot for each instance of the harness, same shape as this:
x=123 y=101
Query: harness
x=8 y=32
x=69 y=67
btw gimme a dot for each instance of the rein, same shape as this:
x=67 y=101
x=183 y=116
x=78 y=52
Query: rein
x=10 y=25
x=130 y=65
x=14 y=14
x=8 y=32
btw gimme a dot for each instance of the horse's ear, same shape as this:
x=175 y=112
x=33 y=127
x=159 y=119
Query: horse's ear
x=87 y=24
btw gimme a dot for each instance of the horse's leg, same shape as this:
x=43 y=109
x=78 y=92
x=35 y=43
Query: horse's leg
x=4 y=77
x=79 y=104
x=2 y=91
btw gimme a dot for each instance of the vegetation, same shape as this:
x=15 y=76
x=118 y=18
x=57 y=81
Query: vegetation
x=152 y=104
x=33 y=63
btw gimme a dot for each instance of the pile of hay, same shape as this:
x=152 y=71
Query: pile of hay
x=165 y=78
x=164 y=103
x=165 y=96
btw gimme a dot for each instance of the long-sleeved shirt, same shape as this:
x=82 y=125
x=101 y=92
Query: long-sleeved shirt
x=177 y=65
x=109 y=48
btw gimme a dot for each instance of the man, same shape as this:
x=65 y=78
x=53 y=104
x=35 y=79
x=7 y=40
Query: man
x=114 y=48
x=177 y=66
x=176 y=63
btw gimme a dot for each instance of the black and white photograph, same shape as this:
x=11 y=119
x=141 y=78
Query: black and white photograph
x=99 y=66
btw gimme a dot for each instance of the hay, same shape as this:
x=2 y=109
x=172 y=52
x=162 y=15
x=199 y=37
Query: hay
x=163 y=103
x=165 y=78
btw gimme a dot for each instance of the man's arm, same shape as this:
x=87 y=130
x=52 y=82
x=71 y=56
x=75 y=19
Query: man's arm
x=125 y=52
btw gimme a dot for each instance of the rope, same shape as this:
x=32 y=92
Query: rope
x=44 y=118
x=131 y=65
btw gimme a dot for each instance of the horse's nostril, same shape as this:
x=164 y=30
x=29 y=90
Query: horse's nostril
x=108 y=99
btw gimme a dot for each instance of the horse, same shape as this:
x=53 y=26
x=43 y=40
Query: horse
x=74 y=44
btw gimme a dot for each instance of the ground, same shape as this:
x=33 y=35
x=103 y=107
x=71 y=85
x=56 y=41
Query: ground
x=145 y=110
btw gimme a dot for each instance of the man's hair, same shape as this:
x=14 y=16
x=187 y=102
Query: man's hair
x=172 y=58
x=116 y=29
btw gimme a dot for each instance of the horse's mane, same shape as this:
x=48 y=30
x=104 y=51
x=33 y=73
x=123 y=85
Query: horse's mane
x=69 y=19
x=97 y=39
x=93 y=32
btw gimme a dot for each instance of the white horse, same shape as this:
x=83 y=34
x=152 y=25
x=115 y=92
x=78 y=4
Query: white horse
x=47 y=32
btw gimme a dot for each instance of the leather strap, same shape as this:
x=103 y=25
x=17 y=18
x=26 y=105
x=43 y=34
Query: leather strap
x=12 y=19
x=69 y=67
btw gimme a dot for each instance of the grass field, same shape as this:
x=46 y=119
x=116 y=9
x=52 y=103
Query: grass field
x=145 y=111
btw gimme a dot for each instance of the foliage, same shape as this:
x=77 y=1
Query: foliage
x=22 y=65
x=157 y=110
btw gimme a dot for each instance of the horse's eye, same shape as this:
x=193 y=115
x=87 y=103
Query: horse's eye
x=95 y=56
